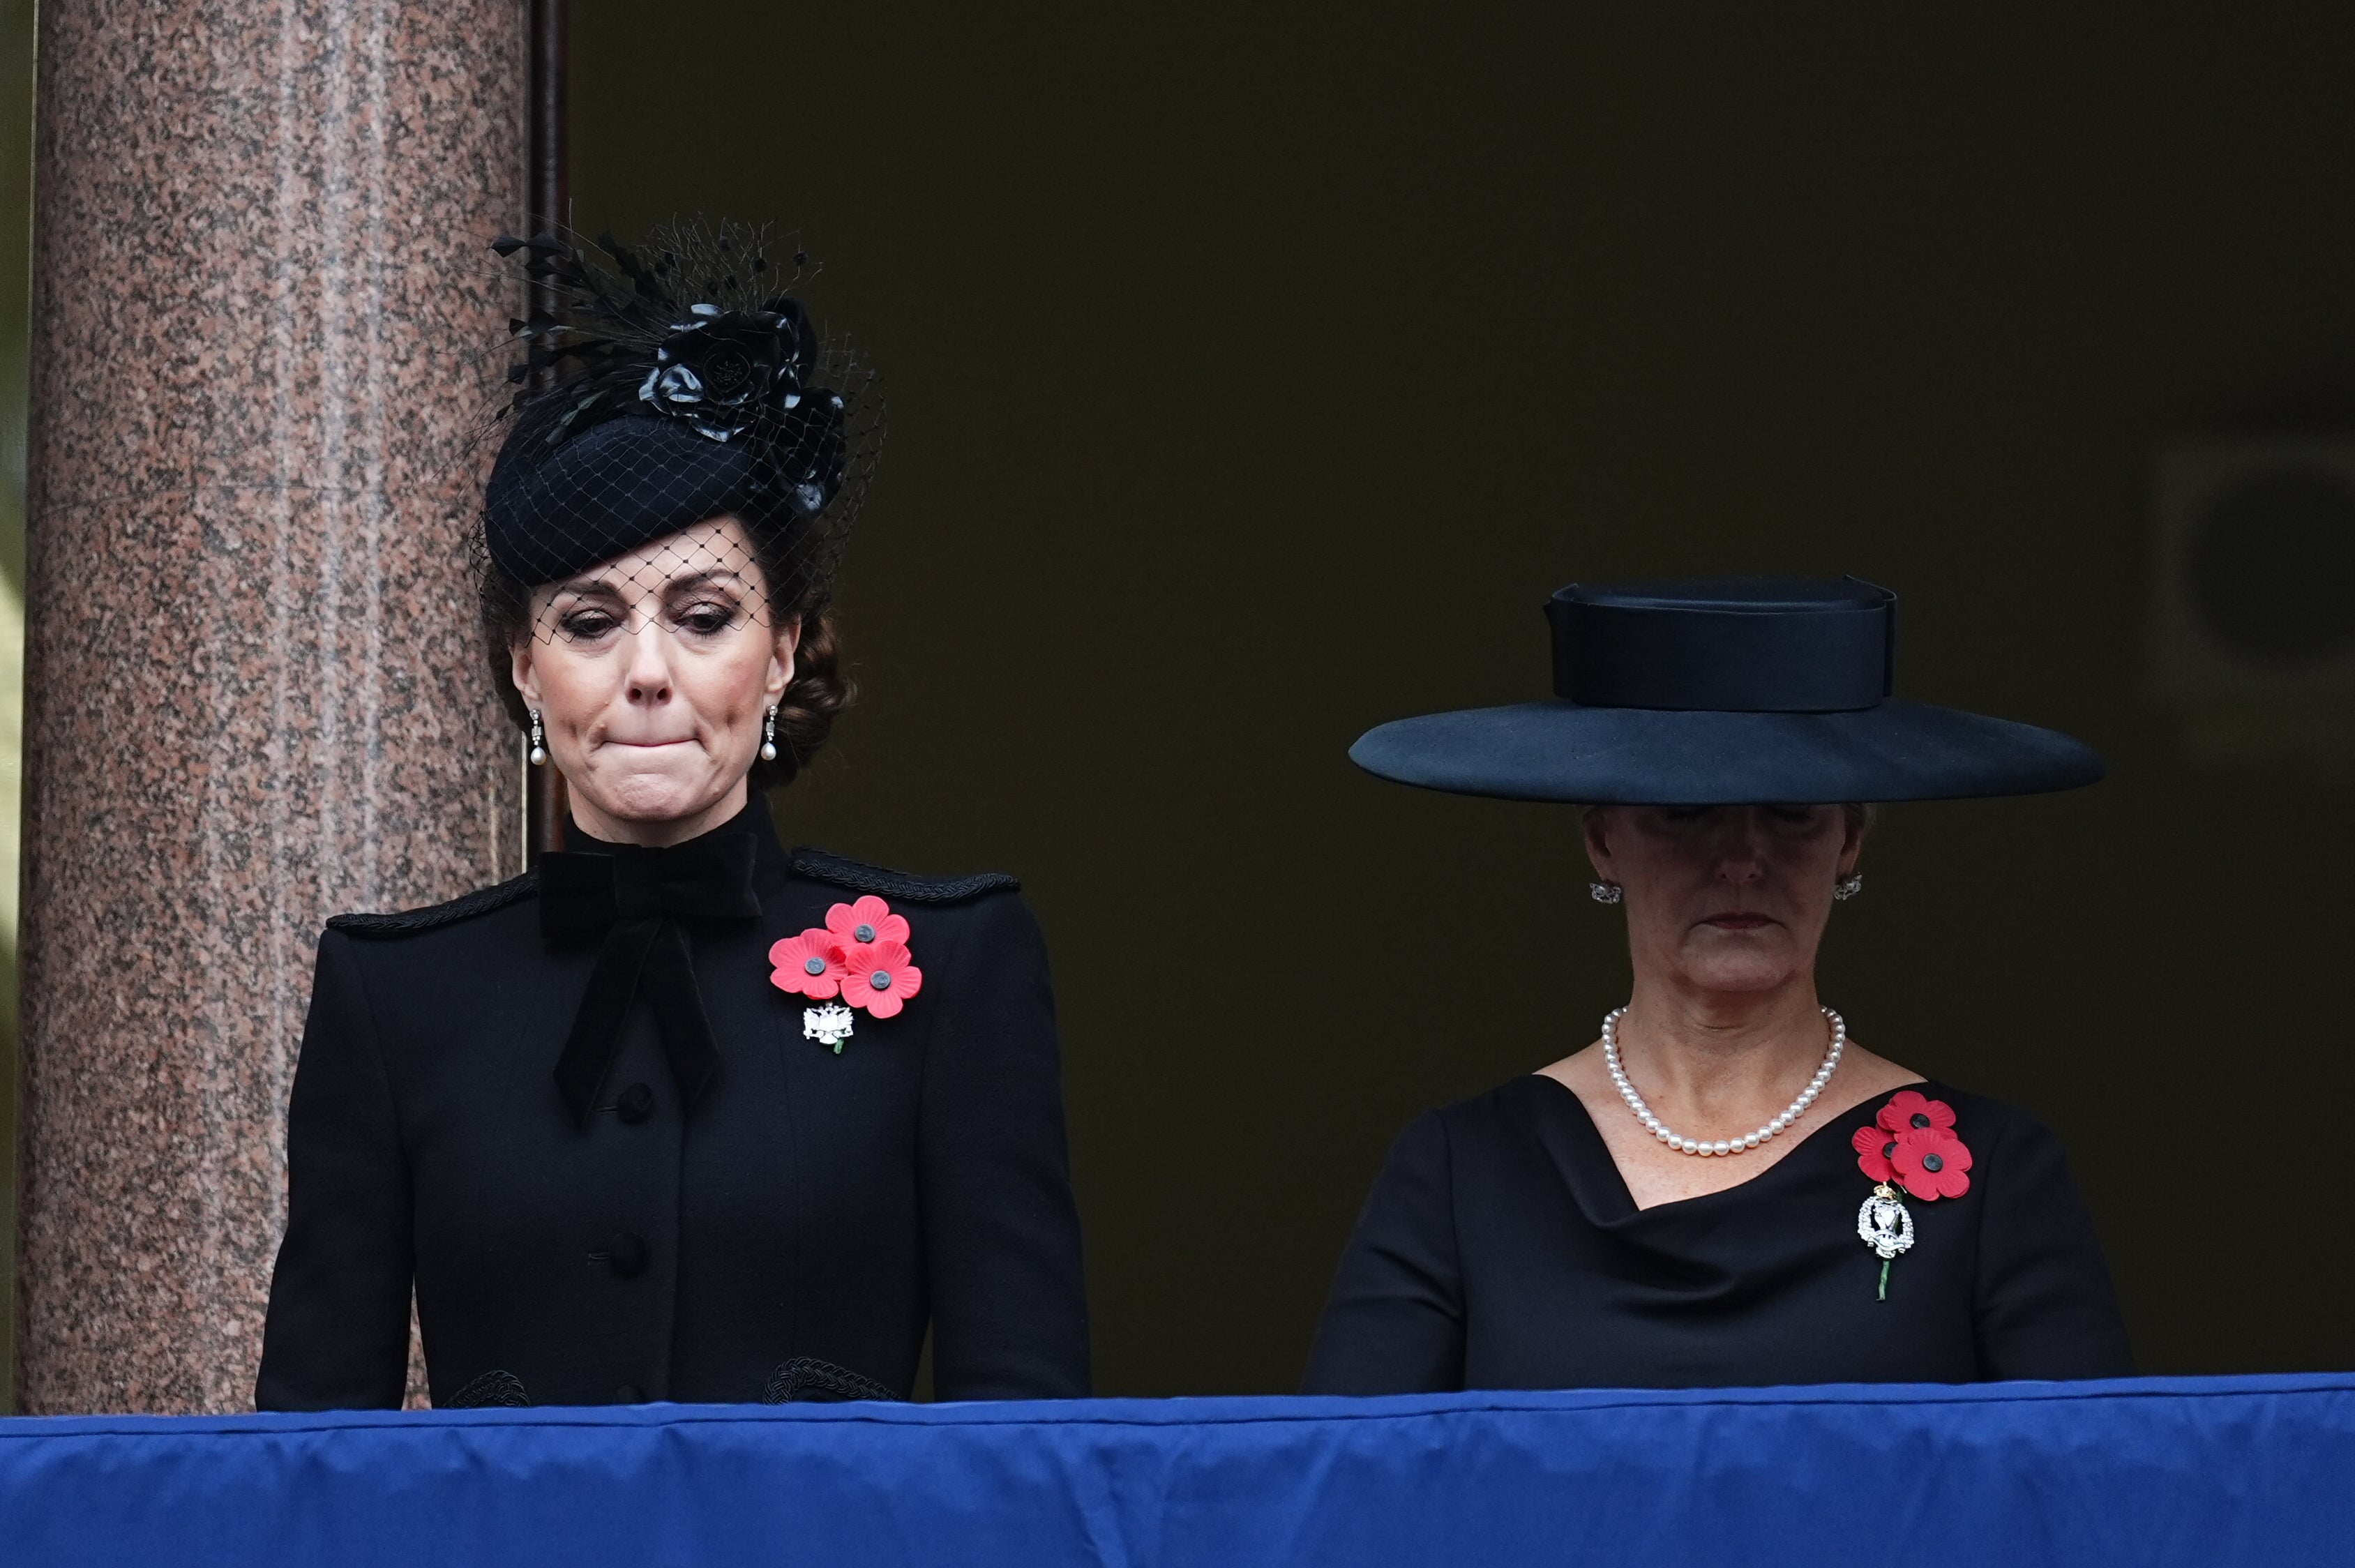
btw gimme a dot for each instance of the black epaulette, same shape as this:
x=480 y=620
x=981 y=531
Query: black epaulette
x=861 y=878
x=481 y=901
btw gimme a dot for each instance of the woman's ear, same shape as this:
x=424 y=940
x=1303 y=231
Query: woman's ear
x=1594 y=826
x=520 y=670
x=781 y=657
x=1857 y=823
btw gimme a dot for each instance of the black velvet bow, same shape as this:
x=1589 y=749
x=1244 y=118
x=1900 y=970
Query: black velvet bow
x=634 y=898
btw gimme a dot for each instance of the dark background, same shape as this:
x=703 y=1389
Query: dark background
x=1256 y=372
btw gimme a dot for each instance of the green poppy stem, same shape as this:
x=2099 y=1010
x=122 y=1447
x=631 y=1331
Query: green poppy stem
x=1884 y=1280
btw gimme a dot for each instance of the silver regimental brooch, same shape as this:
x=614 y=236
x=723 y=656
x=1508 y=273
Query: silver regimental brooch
x=1884 y=1225
x=831 y=1026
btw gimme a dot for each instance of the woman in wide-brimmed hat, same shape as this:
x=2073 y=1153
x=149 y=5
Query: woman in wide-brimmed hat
x=1723 y=1189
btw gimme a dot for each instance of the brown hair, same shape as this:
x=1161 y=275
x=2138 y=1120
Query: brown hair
x=805 y=710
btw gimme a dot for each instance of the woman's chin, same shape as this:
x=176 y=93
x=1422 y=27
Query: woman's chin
x=652 y=795
x=1732 y=975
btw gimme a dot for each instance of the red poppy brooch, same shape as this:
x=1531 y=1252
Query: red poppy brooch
x=859 y=955
x=1911 y=1148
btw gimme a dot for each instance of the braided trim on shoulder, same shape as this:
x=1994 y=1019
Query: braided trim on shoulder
x=861 y=878
x=481 y=901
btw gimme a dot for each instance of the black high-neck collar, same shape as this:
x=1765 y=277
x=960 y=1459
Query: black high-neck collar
x=771 y=863
x=753 y=819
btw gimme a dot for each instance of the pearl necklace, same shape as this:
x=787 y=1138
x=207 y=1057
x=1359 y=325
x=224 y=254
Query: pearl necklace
x=1659 y=1130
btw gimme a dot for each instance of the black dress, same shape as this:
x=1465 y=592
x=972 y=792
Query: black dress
x=1500 y=1249
x=791 y=1232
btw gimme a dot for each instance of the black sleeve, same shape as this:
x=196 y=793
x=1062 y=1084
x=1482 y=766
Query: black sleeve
x=337 y=1333
x=2045 y=1309
x=1001 y=1232
x=1394 y=1323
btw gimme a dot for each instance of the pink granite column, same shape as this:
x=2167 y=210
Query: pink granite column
x=252 y=691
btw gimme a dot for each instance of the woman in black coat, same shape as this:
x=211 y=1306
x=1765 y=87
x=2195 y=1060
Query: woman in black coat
x=1723 y=1189
x=681 y=1115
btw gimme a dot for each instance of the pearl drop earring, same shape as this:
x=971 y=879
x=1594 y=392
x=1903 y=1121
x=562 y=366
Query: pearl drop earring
x=769 y=737
x=538 y=749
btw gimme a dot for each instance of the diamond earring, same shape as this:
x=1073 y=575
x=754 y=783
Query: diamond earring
x=769 y=736
x=1604 y=892
x=1848 y=887
x=538 y=749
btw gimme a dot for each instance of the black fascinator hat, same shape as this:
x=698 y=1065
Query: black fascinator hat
x=1725 y=692
x=666 y=384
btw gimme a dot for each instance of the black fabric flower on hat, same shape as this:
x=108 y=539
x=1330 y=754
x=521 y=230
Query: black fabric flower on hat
x=725 y=399
x=720 y=370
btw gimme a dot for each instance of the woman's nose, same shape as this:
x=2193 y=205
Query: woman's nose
x=649 y=670
x=1740 y=867
x=1740 y=856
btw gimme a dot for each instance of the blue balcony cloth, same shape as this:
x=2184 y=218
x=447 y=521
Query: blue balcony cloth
x=2146 y=1471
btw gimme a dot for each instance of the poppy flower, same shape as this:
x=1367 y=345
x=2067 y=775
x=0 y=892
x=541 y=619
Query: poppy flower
x=1930 y=1162
x=808 y=965
x=1874 y=1145
x=1909 y=1109
x=869 y=919
x=878 y=977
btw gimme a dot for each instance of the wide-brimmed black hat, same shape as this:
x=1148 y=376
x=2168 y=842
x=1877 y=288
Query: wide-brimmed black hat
x=1723 y=692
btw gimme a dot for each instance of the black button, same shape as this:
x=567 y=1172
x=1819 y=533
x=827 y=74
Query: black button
x=629 y=1394
x=627 y=1253
x=1932 y=1164
x=1920 y=1120
x=634 y=1104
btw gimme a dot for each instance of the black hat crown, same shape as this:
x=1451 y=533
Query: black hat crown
x=1737 y=644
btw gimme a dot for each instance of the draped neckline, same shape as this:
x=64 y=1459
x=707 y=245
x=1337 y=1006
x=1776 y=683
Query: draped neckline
x=1596 y=1181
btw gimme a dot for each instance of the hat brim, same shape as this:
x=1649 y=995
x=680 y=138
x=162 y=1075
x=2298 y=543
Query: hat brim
x=1558 y=751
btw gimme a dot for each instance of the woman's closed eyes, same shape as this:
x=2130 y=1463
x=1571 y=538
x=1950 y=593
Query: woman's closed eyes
x=1792 y=816
x=694 y=609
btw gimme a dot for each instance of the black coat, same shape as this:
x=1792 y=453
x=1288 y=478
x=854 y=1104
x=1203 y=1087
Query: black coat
x=795 y=1231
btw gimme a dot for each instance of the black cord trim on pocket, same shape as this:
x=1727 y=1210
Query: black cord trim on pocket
x=494 y=1389
x=807 y=1380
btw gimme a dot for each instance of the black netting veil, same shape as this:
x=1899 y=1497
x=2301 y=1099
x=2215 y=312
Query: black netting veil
x=676 y=414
